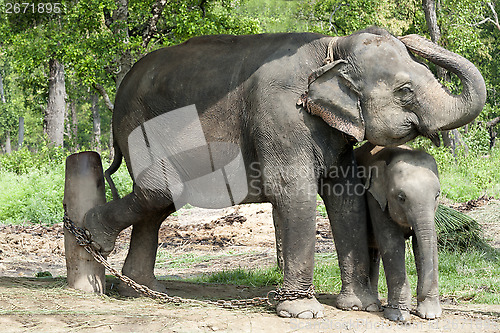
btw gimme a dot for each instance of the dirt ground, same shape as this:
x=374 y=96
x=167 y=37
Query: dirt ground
x=195 y=241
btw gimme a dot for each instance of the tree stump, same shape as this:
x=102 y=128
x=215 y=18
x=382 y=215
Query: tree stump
x=84 y=189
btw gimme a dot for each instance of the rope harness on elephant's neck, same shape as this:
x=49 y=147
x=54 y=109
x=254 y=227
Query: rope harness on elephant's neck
x=84 y=239
x=329 y=51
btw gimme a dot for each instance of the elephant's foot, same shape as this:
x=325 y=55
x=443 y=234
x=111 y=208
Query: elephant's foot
x=362 y=300
x=397 y=314
x=151 y=283
x=429 y=308
x=304 y=308
x=102 y=236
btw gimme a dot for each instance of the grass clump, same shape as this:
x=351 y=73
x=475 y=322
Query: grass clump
x=458 y=232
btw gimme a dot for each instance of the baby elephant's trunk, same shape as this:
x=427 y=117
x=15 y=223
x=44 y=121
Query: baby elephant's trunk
x=426 y=256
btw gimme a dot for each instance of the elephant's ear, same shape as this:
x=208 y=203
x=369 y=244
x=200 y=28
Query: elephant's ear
x=376 y=183
x=332 y=96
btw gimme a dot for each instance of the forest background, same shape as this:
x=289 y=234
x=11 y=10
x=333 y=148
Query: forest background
x=61 y=63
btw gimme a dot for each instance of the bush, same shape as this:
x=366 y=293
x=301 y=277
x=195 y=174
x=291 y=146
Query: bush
x=23 y=160
x=33 y=185
x=34 y=197
x=467 y=175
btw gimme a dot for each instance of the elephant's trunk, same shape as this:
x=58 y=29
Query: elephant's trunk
x=426 y=257
x=455 y=110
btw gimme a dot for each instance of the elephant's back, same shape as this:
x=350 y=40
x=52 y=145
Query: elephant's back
x=214 y=73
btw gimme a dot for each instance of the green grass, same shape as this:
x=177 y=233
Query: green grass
x=34 y=197
x=467 y=175
x=472 y=277
x=240 y=276
x=165 y=258
x=33 y=186
x=458 y=232
x=466 y=277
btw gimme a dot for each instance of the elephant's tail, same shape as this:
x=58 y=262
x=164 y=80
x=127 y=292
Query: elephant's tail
x=117 y=161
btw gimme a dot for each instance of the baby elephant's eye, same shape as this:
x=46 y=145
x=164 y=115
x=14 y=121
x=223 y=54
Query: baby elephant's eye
x=437 y=195
x=402 y=197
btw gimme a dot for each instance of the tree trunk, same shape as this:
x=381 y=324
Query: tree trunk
x=490 y=125
x=74 y=125
x=8 y=146
x=118 y=22
x=120 y=19
x=20 y=136
x=105 y=96
x=452 y=140
x=83 y=189
x=54 y=115
x=2 y=96
x=96 y=121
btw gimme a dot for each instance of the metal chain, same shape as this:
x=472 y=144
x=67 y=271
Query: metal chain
x=397 y=307
x=273 y=297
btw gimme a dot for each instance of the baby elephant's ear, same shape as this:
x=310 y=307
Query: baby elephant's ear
x=332 y=96
x=376 y=183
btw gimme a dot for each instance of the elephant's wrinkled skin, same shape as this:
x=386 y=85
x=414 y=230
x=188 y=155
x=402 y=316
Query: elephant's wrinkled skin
x=247 y=90
x=402 y=197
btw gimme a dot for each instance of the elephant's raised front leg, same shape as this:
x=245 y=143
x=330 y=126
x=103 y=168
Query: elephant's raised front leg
x=347 y=214
x=106 y=221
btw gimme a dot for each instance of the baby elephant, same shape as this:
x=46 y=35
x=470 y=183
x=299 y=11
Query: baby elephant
x=402 y=195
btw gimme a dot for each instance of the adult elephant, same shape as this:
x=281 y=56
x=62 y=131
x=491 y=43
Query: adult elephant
x=294 y=119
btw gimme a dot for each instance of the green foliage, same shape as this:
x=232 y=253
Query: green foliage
x=343 y=18
x=34 y=197
x=273 y=15
x=457 y=232
x=24 y=161
x=33 y=185
x=467 y=175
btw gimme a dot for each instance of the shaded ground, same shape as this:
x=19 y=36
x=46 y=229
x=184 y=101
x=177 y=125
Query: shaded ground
x=193 y=242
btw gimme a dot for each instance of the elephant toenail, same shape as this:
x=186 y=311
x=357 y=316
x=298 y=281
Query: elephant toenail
x=285 y=314
x=373 y=308
x=305 y=315
x=355 y=308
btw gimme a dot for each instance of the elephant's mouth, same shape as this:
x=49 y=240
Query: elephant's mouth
x=408 y=137
x=434 y=137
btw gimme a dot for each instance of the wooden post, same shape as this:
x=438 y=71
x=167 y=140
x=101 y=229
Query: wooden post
x=84 y=189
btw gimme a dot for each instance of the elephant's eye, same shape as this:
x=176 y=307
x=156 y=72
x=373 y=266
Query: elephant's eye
x=401 y=197
x=405 y=89
x=405 y=94
x=437 y=195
